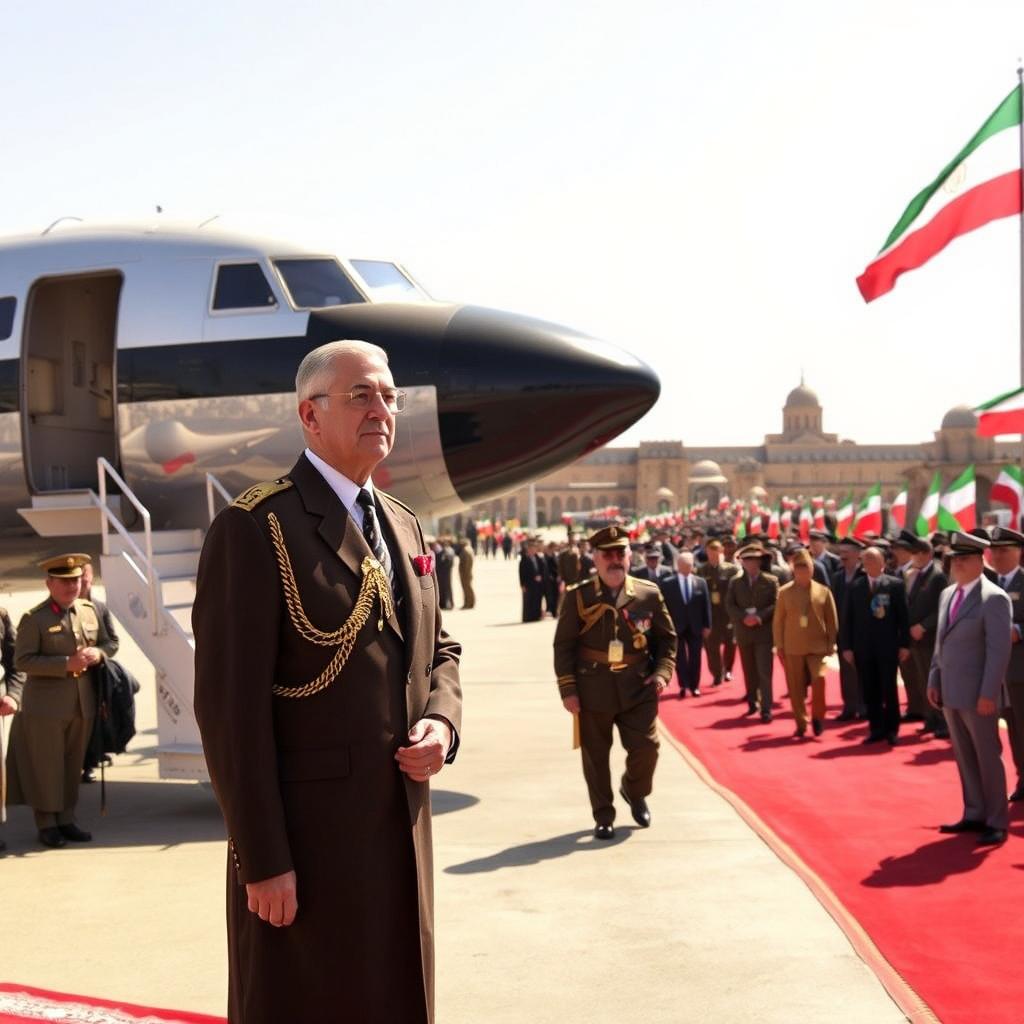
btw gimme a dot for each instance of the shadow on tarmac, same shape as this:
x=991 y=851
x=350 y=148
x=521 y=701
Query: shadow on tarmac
x=540 y=850
x=443 y=801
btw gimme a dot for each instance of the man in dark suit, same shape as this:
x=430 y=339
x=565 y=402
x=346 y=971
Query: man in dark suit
x=532 y=580
x=689 y=605
x=853 y=698
x=551 y=582
x=652 y=570
x=818 y=544
x=926 y=586
x=1005 y=553
x=327 y=695
x=444 y=560
x=874 y=634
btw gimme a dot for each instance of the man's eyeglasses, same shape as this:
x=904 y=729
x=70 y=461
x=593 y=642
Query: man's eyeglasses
x=363 y=398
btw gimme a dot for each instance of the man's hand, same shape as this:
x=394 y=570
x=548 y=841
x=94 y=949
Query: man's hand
x=848 y=657
x=706 y=632
x=8 y=705
x=903 y=654
x=917 y=631
x=78 y=662
x=986 y=706
x=571 y=704
x=429 y=742
x=934 y=697
x=274 y=900
x=656 y=680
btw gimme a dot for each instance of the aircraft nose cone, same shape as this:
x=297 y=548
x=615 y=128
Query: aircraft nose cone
x=521 y=397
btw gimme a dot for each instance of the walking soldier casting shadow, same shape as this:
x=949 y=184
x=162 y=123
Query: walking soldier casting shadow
x=615 y=651
x=327 y=695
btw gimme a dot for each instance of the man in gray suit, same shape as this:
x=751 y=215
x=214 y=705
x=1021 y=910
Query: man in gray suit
x=1006 y=551
x=972 y=651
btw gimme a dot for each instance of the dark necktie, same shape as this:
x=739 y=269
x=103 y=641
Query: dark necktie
x=371 y=531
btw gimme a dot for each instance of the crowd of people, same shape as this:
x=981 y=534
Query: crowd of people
x=945 y=613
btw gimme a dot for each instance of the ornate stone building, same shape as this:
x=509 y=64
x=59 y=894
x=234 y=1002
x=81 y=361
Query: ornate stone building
x=801 y=460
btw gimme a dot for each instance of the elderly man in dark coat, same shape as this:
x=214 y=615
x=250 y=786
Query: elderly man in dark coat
x=328 y=696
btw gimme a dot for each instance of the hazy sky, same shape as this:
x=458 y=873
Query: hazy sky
x=697 y=182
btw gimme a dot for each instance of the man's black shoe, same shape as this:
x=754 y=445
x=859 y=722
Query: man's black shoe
x=728 y=677
x=892 y=739
x=1018 y=793
x=88 y=776
x=926 y=728
x=817 y=726
x=74 y=833
x=638 y=808
x=872 y=738
x=696 y=691
x=52 y=838
x=682 y=693
x=751 y=710
x=941 y=732
x=717 y=682
x=604 y=832
x=963 y=825
x=844 y=716
x=911 y=716
x=799 y=733
x=992 y=837
x=766 y=716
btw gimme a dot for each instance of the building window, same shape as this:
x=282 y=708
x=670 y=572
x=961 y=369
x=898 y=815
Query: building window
x=588 y=505
x=570 y=505
x=556 y=510
x=7 y=307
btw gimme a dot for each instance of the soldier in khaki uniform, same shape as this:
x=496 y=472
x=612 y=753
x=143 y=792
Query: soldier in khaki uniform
x=719 y=645
x=751 y=603
x=59 y=642
x=615 y=651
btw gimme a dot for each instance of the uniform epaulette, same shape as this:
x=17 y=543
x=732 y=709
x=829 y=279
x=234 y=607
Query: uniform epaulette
x=252 y=496
x=582 y=583
x=391 y=497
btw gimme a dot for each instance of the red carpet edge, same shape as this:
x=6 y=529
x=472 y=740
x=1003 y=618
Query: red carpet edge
x=910 y=1003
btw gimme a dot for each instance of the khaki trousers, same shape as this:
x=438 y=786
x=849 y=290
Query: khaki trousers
x=720 y=642
x=803 y=670
x=756 y=660
x=639 y=735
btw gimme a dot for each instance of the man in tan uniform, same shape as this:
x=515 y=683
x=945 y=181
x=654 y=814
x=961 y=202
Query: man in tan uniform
x=466 y=574
x=615 y=651
x=719 y=644
x=805 y=627
x=59 y=642
x=750 y=603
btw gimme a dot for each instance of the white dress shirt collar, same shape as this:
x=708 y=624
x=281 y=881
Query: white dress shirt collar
x=967 y=588
x=346 y=490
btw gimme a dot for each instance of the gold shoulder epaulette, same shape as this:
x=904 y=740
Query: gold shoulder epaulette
x=252 y=496
x=391 y=497
x=582 y=583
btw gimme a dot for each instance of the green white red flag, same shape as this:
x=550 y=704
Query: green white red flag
x=898 y=509
x=806 y=518
x=980 y=184
x=773 y=523
x=869 y=515
x=1003 y=414
x=1009 y=489
x=844 y=516
x=928 y=516
x=957 y=505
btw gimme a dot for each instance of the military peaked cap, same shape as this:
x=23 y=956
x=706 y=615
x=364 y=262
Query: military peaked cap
x=610 y=537
x=65 y=567
x=1003 y=537
x=908 y=541
x=751 y=551
x=967 y=544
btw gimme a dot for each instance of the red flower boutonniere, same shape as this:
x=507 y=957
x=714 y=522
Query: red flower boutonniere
x=424 y=564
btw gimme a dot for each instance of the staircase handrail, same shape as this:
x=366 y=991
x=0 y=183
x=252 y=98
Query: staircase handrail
x=103 y=469
x=213 y=483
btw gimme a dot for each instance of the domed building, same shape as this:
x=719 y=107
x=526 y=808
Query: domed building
x=801 y=460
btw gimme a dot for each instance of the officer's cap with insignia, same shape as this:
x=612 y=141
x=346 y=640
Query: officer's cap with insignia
x=65 y=567
x=1004 y=537
x=967 y=544
x=821 y=535
x=610 y=537
x=751 y=551
x=852 y=542
x=652 y=551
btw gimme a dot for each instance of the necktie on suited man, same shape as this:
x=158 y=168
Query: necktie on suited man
x=372 y=534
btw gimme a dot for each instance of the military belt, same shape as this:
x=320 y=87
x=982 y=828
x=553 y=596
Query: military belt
x=601 y=658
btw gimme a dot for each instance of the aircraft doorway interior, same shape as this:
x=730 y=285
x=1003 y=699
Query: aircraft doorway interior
x=67 y=385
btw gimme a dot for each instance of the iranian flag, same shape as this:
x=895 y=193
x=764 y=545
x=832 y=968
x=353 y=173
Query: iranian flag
x=819 y=519
x=1002 y=415
x=755 y=524
x=928 y=516
x=1009 y=489
x=956 y=506
x=786 y=519
x=773 y=524
x=740 y=528
x=806 y=518
x=869 y=515
x=980 y=184
x=898 y=509
x=844 y=516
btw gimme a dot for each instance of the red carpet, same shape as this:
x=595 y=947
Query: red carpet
x=862 y=821
x=20 y=1003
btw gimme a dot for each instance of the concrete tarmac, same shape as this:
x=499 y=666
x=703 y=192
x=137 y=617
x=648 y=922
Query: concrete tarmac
x=692 y=920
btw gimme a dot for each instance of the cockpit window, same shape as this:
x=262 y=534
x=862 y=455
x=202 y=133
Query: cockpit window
x=7 y=307
x=386 y=282
x=315 y=283
x=242 y=286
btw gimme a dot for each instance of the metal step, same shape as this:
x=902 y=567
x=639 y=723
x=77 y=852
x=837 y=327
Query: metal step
x=163 y=540
x=67 y=513
x=182 y=614
x=178 y=590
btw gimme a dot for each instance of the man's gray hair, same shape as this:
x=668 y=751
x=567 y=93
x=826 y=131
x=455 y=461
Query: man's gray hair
x=317 y=369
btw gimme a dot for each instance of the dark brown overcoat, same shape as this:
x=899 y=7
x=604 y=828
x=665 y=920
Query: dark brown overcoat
x=311 y=783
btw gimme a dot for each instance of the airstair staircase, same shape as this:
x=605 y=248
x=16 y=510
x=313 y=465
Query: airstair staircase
x=150 y=581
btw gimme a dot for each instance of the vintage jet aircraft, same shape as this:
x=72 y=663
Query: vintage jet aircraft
x=172 y=352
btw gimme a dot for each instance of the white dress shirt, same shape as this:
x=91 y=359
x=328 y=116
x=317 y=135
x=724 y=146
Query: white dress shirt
x=346 y=490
